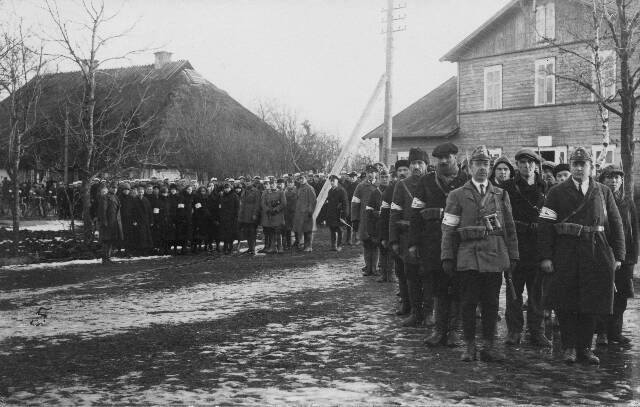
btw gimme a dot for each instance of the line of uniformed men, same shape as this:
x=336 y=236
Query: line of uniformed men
x=452 y=233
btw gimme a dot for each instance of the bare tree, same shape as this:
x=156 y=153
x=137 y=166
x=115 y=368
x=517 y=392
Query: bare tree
x=597 y=44
x=21 y=65
x=82 y=43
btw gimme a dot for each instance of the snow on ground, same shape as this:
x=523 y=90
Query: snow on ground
x=43 y=225
x=58 y=264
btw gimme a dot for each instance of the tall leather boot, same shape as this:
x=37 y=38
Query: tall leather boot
x=453 y=335
x=470 y=352
x=417 y=314
x=489 y=352
x=439 y=335
x=307 y=241
x=429 y=317
x=278 y=239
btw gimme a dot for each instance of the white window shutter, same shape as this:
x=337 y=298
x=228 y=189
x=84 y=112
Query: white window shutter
x=550 y=21
x=540 y=22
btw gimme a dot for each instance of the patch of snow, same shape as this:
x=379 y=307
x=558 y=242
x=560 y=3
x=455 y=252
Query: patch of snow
x=47 y=225
x=79 y=262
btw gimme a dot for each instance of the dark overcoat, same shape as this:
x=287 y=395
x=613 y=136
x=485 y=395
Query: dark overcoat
x=583 y=265
x=373 y=214
x=385 y=209
x=184 y=217
x=290 y=210
x=249 y=211
x=427 y=210
x=110 y=223
x=305 y=205
x=126 y=216
x=202 y=222
x=526 y=202
x=337 y=206
x=141 y=218
x=400 y=216
x=228 y=206
x=624 y=276
x=359 y=207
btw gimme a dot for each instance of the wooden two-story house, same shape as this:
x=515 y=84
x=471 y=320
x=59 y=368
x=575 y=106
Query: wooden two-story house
x=510 y=89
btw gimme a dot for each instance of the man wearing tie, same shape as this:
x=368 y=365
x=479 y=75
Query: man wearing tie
x=479 y=242
x=580 y=245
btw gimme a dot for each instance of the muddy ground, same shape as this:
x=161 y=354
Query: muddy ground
x=266 y=330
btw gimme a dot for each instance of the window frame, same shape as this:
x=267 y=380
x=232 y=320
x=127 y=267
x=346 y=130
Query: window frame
x=599 y=148
x=547 y=77
x=488 y=70
x=545 y=21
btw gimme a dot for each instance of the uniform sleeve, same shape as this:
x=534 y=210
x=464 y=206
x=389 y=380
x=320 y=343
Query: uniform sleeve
x=416 y=223
x=395 y=213
x=616 y=231
x=450 y=223
x=344 y=203
x=355 y=203
x=548 y=216
x=632 y=251
x=511 y=237
x=373 y=214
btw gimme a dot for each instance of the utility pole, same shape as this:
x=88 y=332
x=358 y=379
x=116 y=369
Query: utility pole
x=385 y=143
x=65 y=177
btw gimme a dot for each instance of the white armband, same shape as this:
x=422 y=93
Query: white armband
x=368 y=208
x=417 y=204
x=550 y=214
x=385 y=205
x=395 y=207
x=355 y=199
x=450 y=219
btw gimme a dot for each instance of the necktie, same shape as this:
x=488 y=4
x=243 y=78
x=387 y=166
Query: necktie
x=482 y=189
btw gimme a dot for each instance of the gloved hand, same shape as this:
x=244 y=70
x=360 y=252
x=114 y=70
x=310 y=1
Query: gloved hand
x=618 y=265
x=448 y=267
x=546 y=266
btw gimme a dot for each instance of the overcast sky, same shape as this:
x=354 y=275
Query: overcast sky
x=320 y=58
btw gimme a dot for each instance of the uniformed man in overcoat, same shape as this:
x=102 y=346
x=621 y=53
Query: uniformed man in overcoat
x=399 y=225
x=479 y=242
x=359 y=216
x=526 y=192
x=425 y=238
x=580 y=245
x=402 y=172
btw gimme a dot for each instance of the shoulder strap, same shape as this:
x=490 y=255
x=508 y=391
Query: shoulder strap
x=515 y=184
x=406 y=188
x=581 y=206
x=439 y=185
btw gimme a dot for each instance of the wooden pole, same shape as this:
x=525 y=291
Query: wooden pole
x=65 y=177
x=385 y=155
x=351 y=143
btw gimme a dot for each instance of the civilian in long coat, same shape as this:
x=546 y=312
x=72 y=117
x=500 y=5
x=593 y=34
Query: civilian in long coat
x=156 y=233
x=162 y=221
x=272 y=205
x=303 y=218
x=202 y=222
x=610 y=327
x=580 y=245
x=141 y=221
x=337 y=211
x=249 y=214
x=174 y=200
x=109 y=221
x=184 y=218
x=228 y=207
x=291 y=194
x=126 y=207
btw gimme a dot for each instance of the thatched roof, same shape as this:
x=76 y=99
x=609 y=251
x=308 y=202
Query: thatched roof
x=434 y=115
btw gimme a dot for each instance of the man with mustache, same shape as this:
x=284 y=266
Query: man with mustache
x=402 y=172
x=426 y=234
x=399 y=224
x=478 y=243
x=581 y=246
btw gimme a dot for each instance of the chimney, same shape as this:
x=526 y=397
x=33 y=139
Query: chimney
x=162 y=58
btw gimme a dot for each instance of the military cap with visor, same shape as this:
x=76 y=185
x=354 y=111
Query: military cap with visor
x=444 y=150
x=580 y=154
x=480 y=154
x=527 y=154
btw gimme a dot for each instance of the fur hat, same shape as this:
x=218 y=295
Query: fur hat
x=401 y=163
x=561 y=167
x=418 y=154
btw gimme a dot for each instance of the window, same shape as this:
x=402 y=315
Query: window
x=545 y=22
x=597 y=150
x=557 y=154
x=403 y=155
x=493 y=87
x=545 y=93
x=495 y=153
x=607 y=74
